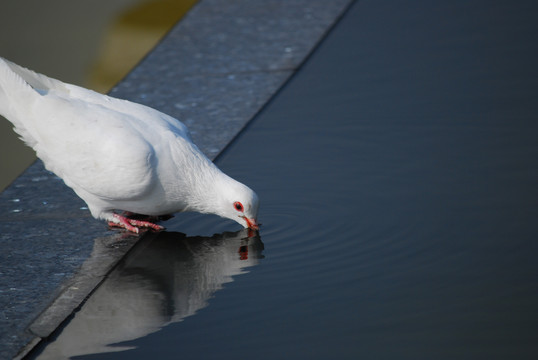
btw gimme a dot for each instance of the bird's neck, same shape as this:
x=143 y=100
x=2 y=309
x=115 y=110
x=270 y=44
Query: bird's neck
x=207 y=189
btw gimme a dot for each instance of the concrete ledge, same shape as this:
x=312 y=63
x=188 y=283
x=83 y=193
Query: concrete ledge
x=214 y=71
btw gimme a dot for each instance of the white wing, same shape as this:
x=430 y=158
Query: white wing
x=94 y=142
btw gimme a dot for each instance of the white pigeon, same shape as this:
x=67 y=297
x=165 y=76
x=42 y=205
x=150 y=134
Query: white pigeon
x=118 y=155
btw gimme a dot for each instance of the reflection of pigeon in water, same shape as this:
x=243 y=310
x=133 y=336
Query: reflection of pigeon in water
x=118 y=155
x=166 y=278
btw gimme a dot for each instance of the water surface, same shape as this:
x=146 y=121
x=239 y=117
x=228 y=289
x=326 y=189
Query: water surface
x=397 y=173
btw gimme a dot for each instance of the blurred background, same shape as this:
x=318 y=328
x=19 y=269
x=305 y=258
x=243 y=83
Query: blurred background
x=91 y=43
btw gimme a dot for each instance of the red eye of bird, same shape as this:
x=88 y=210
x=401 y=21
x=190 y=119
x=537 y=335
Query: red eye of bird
x=238 y=206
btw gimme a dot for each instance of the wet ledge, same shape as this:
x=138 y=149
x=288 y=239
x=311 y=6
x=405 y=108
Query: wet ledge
x=214 y=71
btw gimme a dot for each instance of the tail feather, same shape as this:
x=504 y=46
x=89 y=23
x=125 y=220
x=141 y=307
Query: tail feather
x=18 y=88
x=38 y=82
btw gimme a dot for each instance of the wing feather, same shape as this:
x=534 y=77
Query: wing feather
x=92 y=148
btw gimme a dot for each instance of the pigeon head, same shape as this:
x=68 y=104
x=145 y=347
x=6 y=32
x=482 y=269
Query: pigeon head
x=239 y=203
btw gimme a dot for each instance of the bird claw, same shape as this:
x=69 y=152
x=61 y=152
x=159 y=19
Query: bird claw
x=133 y=225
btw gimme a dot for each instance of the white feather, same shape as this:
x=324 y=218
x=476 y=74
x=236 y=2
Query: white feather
x=116 y=154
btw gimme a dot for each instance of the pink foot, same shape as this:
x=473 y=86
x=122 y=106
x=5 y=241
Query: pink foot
x=133 y=225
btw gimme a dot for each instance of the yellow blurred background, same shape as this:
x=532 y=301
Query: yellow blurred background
x=91 y=43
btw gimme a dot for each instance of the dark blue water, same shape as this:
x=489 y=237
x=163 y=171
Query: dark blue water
x=397 y=174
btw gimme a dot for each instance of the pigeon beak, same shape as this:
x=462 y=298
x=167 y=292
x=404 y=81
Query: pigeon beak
x=251 y=223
